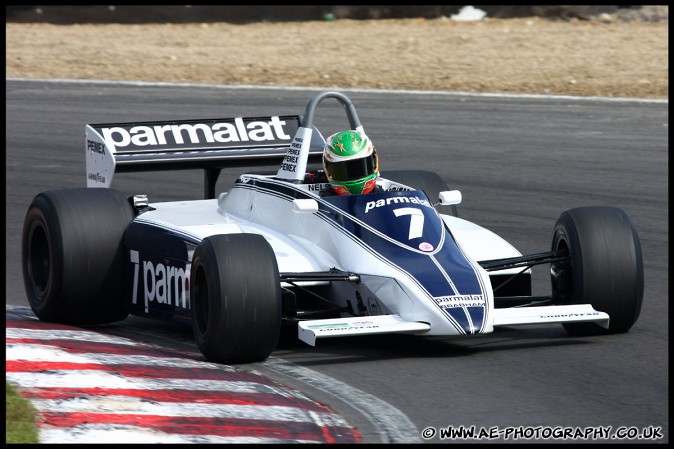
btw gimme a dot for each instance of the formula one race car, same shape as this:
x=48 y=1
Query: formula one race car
x=275 y=250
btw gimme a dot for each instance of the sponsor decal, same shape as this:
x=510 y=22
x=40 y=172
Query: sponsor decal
x=397 y=188
x=96 y=177
x=294 y=163
x=570 y=315
x=318 y=187
x=163 y=283
x=95 y=146
x=343 y=326
x=396 y=200
x=425 y=246
x=195 y=133
x=335 y=325
x=348 y=328
x=292 y=158
x=460 y=301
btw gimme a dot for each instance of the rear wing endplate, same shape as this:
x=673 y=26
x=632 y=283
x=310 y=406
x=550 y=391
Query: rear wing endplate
x=210 y=145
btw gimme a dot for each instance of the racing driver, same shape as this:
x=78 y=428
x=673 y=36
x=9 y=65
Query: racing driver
x=350 y=163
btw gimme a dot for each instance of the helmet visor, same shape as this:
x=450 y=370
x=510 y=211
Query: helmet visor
x=353 y=169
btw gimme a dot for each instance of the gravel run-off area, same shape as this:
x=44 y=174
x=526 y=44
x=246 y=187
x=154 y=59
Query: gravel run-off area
x=604 y=57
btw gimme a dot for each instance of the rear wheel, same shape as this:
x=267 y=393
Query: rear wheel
x=605 y=267
x=235 y=297
x=72 y=255
x=428 y=181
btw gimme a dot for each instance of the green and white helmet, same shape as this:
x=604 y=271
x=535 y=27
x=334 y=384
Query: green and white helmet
x=350 y=162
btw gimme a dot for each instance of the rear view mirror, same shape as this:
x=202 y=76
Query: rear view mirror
x=450 y=197
x=305 y=205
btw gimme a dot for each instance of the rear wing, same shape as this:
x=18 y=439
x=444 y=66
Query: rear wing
x=210 y=145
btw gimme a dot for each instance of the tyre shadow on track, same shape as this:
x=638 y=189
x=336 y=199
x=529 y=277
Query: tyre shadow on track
x=398 y=346
x=178 y=336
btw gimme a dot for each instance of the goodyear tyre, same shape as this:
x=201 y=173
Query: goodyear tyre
x=235 y=297
x=605 y=267
x=72 y=255
x=430 y=182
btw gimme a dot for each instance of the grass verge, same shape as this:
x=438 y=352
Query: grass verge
x=20 y=427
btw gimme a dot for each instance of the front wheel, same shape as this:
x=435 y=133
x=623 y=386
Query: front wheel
x=605 y=267
x=72 y=255
x=235 y=297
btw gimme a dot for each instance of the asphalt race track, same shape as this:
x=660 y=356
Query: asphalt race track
x=519 y=162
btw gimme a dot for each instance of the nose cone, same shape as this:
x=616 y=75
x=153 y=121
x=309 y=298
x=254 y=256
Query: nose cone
x=467 y=318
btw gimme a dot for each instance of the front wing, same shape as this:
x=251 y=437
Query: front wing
x=310 y=330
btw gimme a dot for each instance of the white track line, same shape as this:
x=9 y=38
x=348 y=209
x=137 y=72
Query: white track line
x=318 y=89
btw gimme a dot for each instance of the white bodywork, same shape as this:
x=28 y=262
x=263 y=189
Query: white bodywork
x=307 y=232
x=304 y=243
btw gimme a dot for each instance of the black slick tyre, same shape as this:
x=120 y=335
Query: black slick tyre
x=235 y=297
x=72 y=255
x=430 y=182
x=605 y=267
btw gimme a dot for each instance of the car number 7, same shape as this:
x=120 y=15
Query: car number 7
x=416 y=220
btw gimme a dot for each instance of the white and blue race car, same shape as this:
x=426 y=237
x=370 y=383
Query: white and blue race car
x=274 y=250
